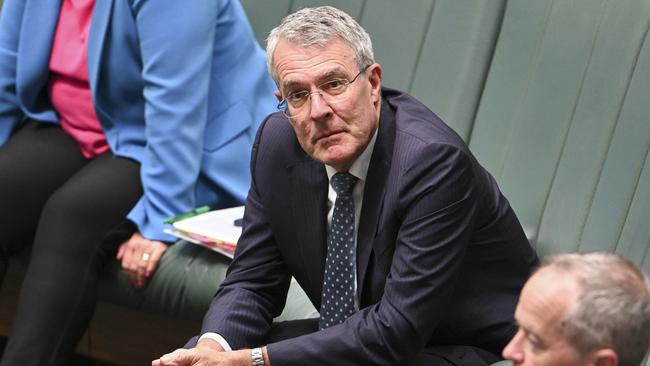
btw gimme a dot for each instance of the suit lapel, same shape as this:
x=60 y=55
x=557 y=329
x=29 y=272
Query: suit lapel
x=37 y=33
x=98 y=29
x=308 y=195
x=373 y=196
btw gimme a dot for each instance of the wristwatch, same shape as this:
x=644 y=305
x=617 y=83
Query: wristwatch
x=257 y=356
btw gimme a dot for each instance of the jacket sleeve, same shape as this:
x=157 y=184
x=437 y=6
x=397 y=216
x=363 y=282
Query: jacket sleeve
x=10 y=25
x=256 y=285
x=176 y=43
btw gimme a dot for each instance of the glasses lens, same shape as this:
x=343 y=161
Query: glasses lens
x=298 y=104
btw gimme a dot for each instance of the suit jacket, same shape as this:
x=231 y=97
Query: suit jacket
x=441 y=256
x=179 y=86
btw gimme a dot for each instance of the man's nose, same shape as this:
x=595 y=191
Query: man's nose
x=319 y=107
x=513 y=350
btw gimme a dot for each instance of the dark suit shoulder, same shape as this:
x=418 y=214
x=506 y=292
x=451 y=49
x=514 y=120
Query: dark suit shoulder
x=428 y=154
x=421 y=138
x=276 y=142
x=414 y=120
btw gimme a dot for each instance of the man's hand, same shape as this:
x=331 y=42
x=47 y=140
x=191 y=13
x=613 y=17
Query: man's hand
x=204 y=356
x=208 y=353
x=140 y=258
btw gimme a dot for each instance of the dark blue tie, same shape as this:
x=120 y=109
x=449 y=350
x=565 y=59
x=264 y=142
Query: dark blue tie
x=337 y=302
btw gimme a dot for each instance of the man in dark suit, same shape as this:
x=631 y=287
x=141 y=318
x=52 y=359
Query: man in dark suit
x=411 y=253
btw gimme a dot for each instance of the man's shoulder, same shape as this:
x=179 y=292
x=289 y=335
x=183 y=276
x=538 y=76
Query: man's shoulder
x=276 y=125
x=276 y=142
x=416 y=125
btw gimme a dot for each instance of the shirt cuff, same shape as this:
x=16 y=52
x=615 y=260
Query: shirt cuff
x=217 y=338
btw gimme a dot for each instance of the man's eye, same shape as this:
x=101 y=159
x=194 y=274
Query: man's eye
x=535 y=343
x=298 y=96
x=334 y=85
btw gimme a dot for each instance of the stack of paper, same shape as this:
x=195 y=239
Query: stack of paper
x=216 y=230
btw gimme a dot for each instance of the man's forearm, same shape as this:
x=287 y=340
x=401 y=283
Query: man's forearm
x=240 y=357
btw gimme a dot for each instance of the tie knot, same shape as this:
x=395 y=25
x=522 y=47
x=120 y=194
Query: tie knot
x=343 y=183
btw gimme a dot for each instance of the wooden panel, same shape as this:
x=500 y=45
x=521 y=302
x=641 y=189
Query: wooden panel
x=116 y=335
x=9 y=292
x=128 y=337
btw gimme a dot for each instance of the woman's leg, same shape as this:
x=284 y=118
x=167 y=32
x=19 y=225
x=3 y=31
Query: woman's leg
x=34 y=162
x=59 y=291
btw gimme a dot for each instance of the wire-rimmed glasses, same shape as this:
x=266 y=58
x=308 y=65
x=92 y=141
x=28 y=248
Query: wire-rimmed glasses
x=297 y=104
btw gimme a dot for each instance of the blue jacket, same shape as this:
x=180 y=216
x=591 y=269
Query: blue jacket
x=179 y=86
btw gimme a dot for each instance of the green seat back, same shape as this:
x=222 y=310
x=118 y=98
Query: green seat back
x=564 y=123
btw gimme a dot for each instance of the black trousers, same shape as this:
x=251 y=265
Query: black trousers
x=62 y=205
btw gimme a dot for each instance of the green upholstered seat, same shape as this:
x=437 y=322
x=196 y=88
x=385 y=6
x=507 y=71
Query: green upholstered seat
x=184 y=284
x=564 y=124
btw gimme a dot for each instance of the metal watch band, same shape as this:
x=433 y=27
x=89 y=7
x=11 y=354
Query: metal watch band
x=257 y=356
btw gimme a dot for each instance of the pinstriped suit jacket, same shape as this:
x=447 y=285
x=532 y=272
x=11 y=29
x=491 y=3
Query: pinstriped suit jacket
x=441 y=256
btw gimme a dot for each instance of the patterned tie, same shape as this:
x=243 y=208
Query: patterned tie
x=337 y=302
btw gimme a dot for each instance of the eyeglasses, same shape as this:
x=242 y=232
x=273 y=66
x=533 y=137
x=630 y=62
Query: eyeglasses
x=333 y=91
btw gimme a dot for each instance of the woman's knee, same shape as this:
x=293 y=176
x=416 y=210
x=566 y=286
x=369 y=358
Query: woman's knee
x=80 y=213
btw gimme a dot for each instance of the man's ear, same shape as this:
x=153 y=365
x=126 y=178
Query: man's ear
x=605 y=357
x=278 y=95
x=375 y=80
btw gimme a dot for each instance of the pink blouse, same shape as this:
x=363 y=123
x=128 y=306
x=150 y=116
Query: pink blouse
x=69 y=89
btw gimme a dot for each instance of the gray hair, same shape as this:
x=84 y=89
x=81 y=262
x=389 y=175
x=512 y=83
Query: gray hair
x=613 y=307
x=317 y=26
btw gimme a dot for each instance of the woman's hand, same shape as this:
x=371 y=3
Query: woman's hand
x=139 y=258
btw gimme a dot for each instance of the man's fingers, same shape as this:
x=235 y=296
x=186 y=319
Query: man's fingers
x=179 y=357
x=157 y=363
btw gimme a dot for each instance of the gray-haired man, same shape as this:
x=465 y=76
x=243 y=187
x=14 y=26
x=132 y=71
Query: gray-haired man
x=581 y=310
x=377 y=208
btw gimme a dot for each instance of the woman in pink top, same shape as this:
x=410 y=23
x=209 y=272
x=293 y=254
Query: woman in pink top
x=114 y=114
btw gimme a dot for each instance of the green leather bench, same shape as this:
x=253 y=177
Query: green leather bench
x=553 y=97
